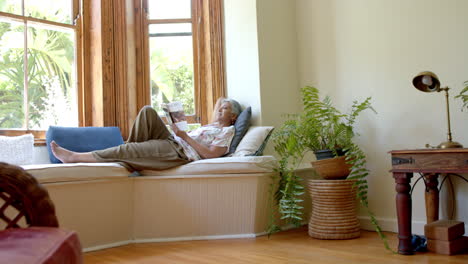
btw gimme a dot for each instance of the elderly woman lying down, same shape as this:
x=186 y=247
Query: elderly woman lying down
x=151 y=146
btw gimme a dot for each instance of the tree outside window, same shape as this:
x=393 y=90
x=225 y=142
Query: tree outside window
x=171 y=53
x=37 y=64
x=180 y=55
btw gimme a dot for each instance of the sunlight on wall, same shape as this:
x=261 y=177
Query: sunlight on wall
x=354 y=49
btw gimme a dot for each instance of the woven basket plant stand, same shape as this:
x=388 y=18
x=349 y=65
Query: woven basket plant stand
x=334 y=210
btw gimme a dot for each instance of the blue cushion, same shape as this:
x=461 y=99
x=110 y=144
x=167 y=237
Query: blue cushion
x=83 y=139
x=242 y=125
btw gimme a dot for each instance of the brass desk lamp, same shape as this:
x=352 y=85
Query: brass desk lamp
x=429 y=82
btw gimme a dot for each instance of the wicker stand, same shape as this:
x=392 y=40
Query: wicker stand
x=334 y=212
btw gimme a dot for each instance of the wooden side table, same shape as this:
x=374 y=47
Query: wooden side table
x=431 y=163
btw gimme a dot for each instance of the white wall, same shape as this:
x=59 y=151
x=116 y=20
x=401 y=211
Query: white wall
x=277 y=43
x=241 y=54
x=261 y=58
x=359 y=48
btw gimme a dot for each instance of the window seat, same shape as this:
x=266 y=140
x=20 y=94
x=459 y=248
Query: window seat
x=208 y=199
x=71 y=172
x=219 y=166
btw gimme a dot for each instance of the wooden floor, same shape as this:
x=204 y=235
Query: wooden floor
x=294 y=246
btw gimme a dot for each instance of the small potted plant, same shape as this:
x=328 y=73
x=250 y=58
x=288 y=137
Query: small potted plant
x=323 y=129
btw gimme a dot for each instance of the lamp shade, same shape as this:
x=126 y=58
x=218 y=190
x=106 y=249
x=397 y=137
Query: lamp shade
x=427 y=82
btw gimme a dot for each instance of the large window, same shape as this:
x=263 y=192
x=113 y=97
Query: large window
x=38 y=64
x=171 y=50
x=181 y=58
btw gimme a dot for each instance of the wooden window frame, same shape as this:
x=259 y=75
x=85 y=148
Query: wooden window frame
x=106 y=97
x=208 y=55
x=76 y=25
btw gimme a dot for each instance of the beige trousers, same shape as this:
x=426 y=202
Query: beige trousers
x=150 y=146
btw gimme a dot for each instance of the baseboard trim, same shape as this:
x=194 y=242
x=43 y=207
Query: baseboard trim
x=173 y=239
x=169 y=239
x=387 y=224
x=111 y=245
x=391 y=225
x=283 y=228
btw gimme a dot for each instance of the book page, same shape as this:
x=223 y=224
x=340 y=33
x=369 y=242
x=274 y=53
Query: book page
x=175 y=114
x=167 y=114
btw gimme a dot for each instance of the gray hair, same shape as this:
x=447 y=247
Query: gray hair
x=235 y=106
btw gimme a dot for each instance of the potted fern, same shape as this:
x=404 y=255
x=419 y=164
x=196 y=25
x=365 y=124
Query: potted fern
x=319 y=128
x=463 y=95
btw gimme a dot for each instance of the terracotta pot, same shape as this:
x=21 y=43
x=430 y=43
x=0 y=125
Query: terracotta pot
x=334 y=218
x=330 y=169
x=328 y=153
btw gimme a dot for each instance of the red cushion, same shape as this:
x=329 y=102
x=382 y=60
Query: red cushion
x=39 y=245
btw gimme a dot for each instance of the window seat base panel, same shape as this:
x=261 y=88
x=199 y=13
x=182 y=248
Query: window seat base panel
x=112 y=212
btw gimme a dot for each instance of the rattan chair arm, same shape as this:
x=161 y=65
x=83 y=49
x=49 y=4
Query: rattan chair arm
x=24 y=193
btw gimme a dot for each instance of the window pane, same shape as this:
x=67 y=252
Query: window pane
x=164 y=9
x=51 y=77
x=171 y=66
x=52 y=10
x=179 y=28
x=11 y=75
x=11 y=6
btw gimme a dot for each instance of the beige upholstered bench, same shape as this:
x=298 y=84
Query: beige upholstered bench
x=206 y=199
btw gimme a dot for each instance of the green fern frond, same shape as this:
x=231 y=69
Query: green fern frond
x=464 y=96
x=319 y=126
x=357 y=108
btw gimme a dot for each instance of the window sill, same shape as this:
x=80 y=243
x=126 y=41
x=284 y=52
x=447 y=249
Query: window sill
x=39 y=142
x=39 y=135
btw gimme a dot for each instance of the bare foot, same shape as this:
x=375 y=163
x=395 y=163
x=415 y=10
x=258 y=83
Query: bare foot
x=64 y=155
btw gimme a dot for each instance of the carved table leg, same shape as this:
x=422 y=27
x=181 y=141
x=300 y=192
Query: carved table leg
x=432 y=197
x=403 y=204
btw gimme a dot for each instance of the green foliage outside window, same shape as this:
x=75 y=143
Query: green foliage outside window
x=172 y=78
x=50 y=66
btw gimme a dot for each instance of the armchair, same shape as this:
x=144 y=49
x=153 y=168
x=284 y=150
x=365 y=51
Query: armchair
x=29 y=230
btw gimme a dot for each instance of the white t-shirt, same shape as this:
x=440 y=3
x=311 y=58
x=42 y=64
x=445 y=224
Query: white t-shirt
x=209 y=135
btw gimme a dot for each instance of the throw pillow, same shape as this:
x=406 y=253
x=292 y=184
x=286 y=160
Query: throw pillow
x=17 y=150
x=242 y=125
x=254 y=141
x=82 y=139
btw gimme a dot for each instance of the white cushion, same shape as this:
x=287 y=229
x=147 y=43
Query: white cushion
x=68 y=172
x=219 y=166
x=17 y=150
x=252 y=140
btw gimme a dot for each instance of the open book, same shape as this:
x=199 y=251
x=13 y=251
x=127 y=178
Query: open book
x=175 y=114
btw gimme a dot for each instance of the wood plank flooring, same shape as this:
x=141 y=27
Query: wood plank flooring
x=293 y=246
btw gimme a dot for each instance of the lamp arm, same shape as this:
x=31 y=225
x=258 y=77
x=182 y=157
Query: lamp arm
x=449 y=134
